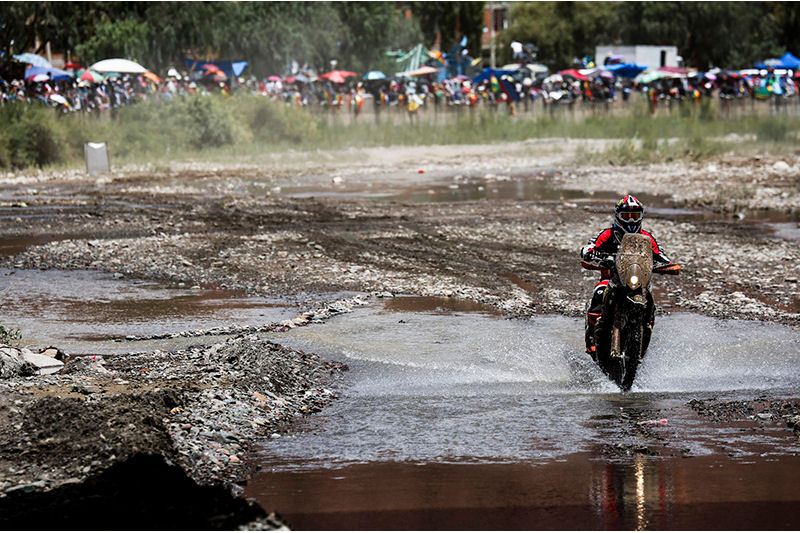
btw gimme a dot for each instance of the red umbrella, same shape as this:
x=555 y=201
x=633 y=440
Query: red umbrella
x=87 y=76
x=274 y=78
x=338 y=76
x=72 y=66
x=573 y=74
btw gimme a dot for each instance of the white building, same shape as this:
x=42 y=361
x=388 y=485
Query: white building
x=651 y=56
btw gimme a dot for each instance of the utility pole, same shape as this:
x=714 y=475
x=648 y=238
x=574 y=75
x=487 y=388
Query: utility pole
x=493 y=34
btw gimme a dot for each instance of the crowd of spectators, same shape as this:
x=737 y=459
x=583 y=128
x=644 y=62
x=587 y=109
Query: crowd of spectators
x=520 y=90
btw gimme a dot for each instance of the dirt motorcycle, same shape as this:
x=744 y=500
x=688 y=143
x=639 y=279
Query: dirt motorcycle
x=622 y=334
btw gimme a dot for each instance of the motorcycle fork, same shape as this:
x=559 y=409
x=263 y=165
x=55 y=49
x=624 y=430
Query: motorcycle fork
x=616 y=349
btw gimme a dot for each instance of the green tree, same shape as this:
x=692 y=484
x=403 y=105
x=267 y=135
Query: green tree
x=128 y=38
x=562 y=31
x=451 y=20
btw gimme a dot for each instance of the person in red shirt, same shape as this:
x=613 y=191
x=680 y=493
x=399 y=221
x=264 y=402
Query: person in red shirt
x=628 y=215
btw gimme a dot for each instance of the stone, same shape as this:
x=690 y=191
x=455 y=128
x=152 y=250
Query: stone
x=13 y=364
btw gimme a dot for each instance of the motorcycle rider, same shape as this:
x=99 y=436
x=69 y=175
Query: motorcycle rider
x=628 y=215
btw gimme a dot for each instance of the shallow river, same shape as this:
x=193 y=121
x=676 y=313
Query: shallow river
x=466 y=420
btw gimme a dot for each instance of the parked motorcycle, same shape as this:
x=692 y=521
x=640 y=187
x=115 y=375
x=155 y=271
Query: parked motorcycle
x=622 y=334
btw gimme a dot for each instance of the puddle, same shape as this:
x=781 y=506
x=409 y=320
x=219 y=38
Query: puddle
x=11 y=245
x=84 y=311
x=578 y=493
x=537 y=188
x=437 y=304
x=466 y=420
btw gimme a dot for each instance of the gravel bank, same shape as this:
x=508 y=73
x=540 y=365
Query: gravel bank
x=200 y=409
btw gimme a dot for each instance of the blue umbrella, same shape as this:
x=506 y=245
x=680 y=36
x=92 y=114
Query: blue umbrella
x=625 y=70
x=53 y=73
x=33 y=59
x=374 y=75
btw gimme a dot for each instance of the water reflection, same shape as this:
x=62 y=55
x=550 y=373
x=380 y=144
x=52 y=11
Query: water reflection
x=636 y=495
x=582 y=491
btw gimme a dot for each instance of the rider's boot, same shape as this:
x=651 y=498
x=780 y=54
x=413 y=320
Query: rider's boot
x=592 y=315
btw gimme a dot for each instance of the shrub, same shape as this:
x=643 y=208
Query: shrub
x=210 y=124
x=9 y=336
x=33 y=137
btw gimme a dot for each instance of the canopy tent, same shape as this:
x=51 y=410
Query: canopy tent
x=625 y=70
x=52 y=73
x=33 y=60
x=230 y=68
x=123 y=66
x=786 y=61
x=413 y=59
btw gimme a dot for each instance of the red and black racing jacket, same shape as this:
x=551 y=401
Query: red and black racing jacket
x=607 y=243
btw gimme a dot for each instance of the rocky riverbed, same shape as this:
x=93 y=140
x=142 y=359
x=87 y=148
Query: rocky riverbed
x=496 y=225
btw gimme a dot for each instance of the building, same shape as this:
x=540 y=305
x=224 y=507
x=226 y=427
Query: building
x=495 y=22
x=651 y=56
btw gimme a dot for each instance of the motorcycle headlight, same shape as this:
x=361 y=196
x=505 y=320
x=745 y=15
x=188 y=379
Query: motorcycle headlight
x=634 y=279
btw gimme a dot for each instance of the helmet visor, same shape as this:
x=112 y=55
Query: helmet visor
x=630 y=216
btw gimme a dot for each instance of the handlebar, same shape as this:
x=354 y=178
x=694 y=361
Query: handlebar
x=673 y=269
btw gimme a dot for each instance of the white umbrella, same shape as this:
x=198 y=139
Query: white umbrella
x=57 y=98
x=537 y=68
x=124 y=66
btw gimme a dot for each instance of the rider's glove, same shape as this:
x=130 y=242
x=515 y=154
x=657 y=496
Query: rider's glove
x=608 y=262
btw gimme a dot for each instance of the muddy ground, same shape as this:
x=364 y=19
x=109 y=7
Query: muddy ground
x=500 y=225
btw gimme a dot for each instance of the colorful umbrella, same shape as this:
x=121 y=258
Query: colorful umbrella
x=51 y=73
x=572 y=73
x=274 y=78
x=152 y=77
x=651 y=76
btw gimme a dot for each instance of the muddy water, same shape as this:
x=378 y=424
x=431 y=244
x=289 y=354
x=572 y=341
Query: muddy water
x=86 y=311
x=576 y=492
x=469 y=420
x=435 y=190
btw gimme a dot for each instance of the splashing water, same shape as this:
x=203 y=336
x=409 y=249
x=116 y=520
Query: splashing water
x=477 y=388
